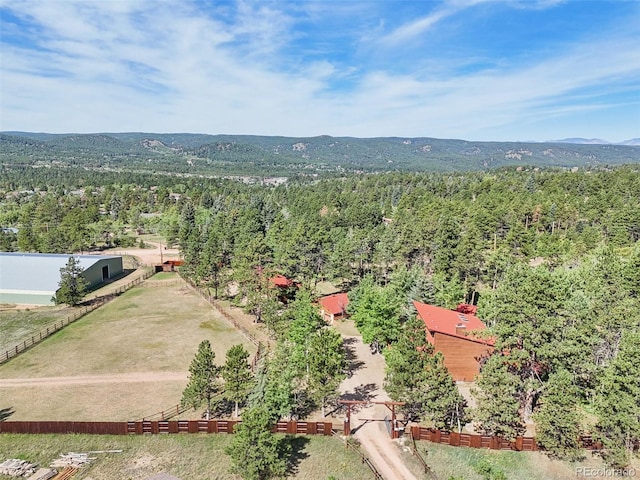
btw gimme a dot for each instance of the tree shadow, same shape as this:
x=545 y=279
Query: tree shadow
x=361 y=393
x=222 y=408
x=6 y=413
x=297 y=453
x=304 y=406
x=353 y=364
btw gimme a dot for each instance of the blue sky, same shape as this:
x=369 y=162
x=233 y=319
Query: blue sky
x=472 y=69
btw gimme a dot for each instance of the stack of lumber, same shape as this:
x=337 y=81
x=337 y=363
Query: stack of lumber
x=71 y=459
x=43 y=474
x=17 y=468
x=66 y=474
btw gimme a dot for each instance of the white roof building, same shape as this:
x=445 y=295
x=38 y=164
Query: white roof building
x=33 y=278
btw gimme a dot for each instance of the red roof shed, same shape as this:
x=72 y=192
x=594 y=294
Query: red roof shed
x=334 y=307
x=280 y=281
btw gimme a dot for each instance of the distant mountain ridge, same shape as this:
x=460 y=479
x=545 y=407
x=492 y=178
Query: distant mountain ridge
x=596 y=141
x=252 y=154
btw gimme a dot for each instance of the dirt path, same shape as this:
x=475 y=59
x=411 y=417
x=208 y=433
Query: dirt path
x=136 y=377
x=365 y=383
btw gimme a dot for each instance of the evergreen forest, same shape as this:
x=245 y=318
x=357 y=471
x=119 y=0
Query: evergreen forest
x=550 y=255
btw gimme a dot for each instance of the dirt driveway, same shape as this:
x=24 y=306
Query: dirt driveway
x=147 y=256
x=365 y=383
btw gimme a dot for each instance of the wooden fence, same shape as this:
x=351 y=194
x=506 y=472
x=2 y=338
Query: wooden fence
x=223 y=311
x=79 y=313
x=416 y=453
x=50 y=330
x=163 y=283
x=167 y=413
x=348 y=444
x=157 y=427
x=521 y=444
x=525 y=444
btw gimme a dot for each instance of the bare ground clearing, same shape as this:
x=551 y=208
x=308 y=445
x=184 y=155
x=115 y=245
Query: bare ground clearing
x=155 y=255
x=150 y=330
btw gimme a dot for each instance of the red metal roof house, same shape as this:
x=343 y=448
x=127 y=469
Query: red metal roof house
x=334 y=307
x=449 y=332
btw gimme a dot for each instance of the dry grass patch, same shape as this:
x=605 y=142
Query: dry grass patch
x=192 y=457
x=145 y=331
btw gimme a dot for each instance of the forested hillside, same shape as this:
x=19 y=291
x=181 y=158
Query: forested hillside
x=287 y=156
x=551 y=256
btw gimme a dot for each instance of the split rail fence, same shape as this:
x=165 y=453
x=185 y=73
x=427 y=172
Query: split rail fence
x=366 y=460
x=158 y=427
x=50 y=330
x=416 y=453
x=223 y=311
x=60 y=324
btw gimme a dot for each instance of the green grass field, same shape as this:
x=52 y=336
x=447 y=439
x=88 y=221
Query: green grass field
x=186 y=456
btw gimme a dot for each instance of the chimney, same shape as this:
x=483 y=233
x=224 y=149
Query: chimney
x=460 y=329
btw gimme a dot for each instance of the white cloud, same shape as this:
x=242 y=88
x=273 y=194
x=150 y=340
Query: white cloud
x=121 y=66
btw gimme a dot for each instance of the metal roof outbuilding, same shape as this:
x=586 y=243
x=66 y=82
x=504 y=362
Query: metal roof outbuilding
x=33 y=278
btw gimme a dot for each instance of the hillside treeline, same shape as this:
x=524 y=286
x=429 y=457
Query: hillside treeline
x=287 y=156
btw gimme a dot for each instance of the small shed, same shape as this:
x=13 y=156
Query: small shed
x=334 y=307
x=281 y=281
x=169 y=266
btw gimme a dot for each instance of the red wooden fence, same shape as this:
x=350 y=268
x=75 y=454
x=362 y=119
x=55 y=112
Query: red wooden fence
x=521 y=444
x=526 y=444
x=454 y=439
x=155 y=427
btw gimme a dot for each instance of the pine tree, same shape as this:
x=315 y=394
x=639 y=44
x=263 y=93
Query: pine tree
x=443 y=404
x=257 y=453
x=528 y=312
x=275 y=383
x=497 y=394
x=327 y=363
x=72 y=285
x=405 y=366
x=376 y=312
x=417 y=376
x=618 y=403
x=305 y=321
x=237 y=375
x=557 y=420
x=203 y=379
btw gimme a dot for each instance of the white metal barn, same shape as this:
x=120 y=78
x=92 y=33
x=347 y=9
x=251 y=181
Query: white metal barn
x=33 y=278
